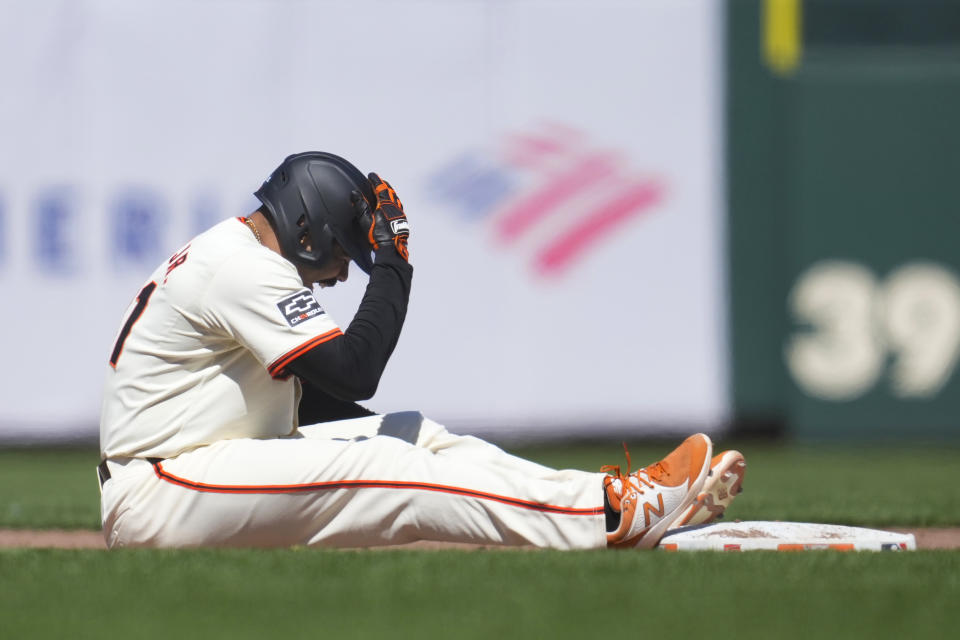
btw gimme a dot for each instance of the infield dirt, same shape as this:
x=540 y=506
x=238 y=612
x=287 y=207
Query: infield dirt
x=927 y=538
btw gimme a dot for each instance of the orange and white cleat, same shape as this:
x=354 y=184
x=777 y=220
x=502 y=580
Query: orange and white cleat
x=651 y=499
x=723 y=484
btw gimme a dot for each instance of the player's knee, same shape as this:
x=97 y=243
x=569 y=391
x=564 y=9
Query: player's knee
x=404 y=425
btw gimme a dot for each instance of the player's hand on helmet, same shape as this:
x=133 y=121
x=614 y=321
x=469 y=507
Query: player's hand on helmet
x=387 y=224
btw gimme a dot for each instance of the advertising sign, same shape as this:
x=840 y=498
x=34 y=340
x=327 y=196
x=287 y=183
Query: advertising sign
x=559 y=163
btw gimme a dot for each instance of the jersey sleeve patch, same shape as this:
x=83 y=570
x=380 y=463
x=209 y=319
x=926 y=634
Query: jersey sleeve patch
x=298 y=307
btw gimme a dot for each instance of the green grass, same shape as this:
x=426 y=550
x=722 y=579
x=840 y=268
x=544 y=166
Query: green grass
x=301 y=593
x=865 y=486
x=878 y=486
x=512 y=594
x=49 y=488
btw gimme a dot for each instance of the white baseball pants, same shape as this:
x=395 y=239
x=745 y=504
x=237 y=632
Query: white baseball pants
x=381 y=480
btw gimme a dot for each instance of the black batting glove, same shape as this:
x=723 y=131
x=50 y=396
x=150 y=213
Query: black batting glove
x=387 y=224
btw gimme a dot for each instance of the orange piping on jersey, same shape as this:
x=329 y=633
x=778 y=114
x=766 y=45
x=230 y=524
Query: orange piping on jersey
x=166 y=476
x=276 y=369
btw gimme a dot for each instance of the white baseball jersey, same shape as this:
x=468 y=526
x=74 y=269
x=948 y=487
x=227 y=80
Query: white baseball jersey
x=199 y=431
x=202 y=353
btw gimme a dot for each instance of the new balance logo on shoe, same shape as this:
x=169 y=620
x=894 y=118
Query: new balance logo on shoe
x=657 y=511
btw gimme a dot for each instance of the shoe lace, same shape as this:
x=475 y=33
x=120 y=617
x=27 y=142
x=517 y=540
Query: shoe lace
x=614 y=469
x=653 y=472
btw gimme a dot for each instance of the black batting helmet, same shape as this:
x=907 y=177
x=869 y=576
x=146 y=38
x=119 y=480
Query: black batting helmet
x=310 y=193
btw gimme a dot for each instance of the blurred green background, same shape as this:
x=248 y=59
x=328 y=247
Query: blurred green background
x=842 y=154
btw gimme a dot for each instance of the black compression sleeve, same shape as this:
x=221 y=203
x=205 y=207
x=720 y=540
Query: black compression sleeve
x=316 y=405
x=349 y=366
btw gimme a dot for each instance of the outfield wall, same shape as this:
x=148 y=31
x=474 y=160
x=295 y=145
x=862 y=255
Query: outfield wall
x=844 y=209
x=560 y=162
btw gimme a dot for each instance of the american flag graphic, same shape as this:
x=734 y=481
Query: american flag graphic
x=549 y=194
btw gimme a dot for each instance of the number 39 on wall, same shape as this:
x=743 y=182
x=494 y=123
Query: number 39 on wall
x=852 y=328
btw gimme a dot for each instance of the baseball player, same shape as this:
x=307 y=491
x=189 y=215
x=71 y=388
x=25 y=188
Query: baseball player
x=230 y=413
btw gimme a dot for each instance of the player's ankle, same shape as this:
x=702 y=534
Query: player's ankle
x=612 y=515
